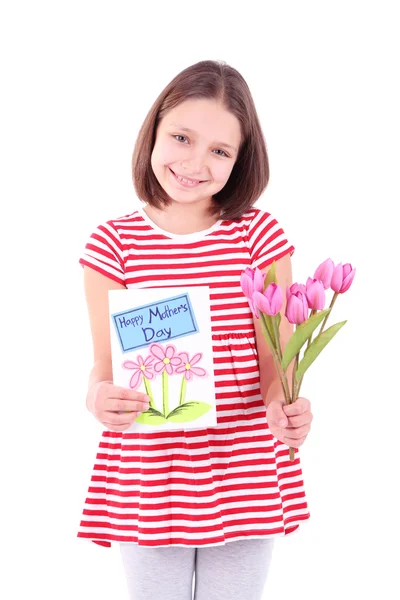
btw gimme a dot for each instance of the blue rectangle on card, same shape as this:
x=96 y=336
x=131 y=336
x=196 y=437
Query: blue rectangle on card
x=159 y=321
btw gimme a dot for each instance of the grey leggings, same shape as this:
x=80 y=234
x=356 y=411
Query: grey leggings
x=235 y=571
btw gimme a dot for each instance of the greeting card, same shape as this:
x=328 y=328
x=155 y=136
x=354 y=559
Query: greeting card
x=161 y=345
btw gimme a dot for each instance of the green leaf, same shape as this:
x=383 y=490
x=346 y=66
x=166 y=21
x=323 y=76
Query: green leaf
x=151 y=417
x=300 y=336
x=267 y=329
x=271 y=276
x=316 y=347
x=189 y=411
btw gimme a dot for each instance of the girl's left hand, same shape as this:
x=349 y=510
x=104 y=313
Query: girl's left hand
x=290 y=423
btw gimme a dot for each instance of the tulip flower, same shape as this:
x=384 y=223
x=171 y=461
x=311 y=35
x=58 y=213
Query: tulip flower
x=295 y=287
x=270 y=302
x=297 y=308
x=266 y=306
x=252 y=280
x=315 y=293
x=324 y=272
x=342 y=278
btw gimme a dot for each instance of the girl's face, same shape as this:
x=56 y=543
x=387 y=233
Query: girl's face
x=197 y=144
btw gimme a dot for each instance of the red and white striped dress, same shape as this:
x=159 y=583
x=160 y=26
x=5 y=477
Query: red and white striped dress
x=209 y=486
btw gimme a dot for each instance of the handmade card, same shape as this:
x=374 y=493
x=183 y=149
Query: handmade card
x=161 y=345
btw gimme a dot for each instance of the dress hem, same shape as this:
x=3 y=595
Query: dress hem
x=290 y=530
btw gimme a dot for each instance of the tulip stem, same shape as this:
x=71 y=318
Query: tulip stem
x=276 y=353
x=295 y=390
x=335 y=295
x=275 y=356
x=277 y=337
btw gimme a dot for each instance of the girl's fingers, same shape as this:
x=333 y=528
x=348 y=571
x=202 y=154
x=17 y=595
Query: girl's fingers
x=126 y=405
x=120 y=393
x=124 y=418
x=297 y=432
x=294 y=443
x=300 y=420
x=116 y=427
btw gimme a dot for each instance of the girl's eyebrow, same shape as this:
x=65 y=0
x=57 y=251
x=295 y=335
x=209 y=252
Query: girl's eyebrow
x=223 y=144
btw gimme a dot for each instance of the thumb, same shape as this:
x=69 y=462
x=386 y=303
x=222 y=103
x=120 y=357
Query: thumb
x=276 y=414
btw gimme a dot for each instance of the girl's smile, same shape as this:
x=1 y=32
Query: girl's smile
x=185 y=181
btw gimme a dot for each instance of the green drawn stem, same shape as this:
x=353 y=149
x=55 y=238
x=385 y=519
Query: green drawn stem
x=149 y=392
x=183 y=391
x=165 y=393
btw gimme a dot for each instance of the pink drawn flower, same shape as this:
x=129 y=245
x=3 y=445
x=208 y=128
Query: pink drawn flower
x=188 y=367
x=167 y=358
x=142 y=368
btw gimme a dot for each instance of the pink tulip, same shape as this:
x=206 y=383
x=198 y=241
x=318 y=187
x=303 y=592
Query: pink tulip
x=324 y=272
x=270 y=302
x=315 y=294
x=295 y=287
x=252 y=280
x=342 y=278
x=297 y=308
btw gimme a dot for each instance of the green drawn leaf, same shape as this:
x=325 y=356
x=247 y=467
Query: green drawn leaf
x=189 y=411
x=271 y=276
x=300 y=336
x=151 y=417
x=316 y=347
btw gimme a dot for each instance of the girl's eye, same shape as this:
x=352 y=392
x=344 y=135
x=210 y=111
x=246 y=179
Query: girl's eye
x=180 y=136
x=223 y=153
x=185 y=138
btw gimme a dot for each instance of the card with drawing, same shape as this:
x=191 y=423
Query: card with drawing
x=161 y=344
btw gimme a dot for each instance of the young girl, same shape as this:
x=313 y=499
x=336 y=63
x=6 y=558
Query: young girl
x=204 y=501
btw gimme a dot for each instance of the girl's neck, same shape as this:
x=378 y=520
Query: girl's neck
x=181 y=219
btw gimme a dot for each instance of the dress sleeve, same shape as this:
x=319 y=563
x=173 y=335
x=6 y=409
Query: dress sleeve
x=267 y=240
x=104 y=253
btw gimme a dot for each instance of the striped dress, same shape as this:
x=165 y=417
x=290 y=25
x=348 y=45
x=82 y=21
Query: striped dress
x=209 y=486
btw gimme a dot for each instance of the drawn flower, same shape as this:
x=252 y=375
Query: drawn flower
x=188 y=367
x=142 y=368
x=167 y=358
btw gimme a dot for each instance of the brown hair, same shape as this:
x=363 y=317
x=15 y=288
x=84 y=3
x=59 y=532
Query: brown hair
x=250 y=173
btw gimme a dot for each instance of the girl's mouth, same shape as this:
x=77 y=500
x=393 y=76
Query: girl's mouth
x=185 y=182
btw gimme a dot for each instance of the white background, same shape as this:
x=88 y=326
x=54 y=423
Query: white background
x=77 y=81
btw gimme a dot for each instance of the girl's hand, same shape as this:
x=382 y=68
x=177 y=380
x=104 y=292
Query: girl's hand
x=115 y=407
x=290 y=423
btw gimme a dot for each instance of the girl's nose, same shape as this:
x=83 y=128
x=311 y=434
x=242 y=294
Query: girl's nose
x=196 y=164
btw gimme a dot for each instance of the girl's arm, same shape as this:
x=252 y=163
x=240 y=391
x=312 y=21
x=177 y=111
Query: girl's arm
x=271 y=388
x=114 y=406
x=96 y=293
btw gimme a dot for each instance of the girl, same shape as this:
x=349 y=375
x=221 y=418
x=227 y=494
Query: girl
x=209 y=501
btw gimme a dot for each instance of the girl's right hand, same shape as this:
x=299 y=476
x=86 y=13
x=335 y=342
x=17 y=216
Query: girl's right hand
x=115 y=407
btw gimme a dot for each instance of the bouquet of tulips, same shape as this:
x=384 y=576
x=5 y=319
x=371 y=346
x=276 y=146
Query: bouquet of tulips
x=304 y=308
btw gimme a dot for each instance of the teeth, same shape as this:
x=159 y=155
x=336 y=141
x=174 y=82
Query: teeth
x=187 y=180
